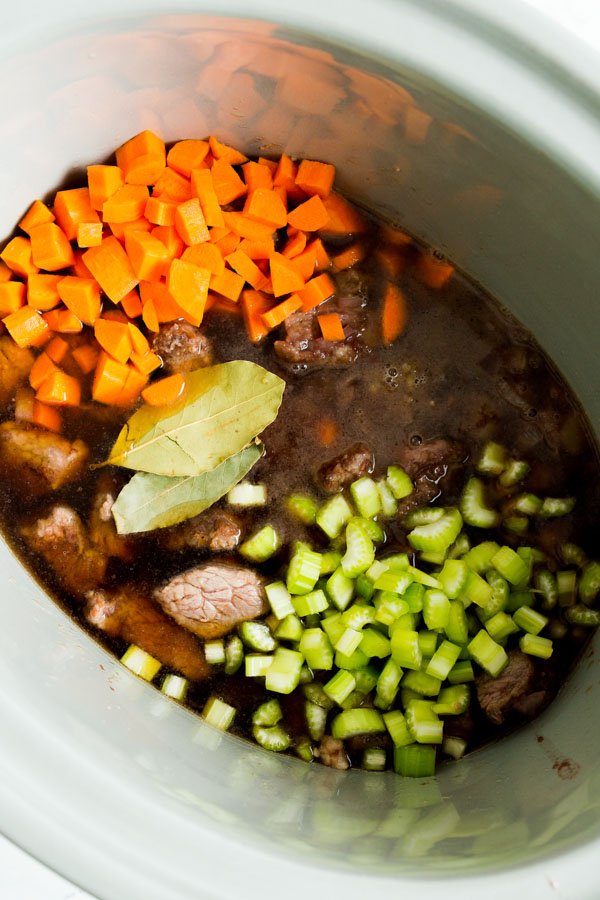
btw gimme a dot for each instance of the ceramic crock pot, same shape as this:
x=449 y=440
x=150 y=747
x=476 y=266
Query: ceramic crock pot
x=477 y=127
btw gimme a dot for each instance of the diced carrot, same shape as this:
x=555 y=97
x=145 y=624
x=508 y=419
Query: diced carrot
x=81 y=296
x=72 y=208
x=190 y=222
x=114 y=338
x=316 y=291
x=142 y=159
x=228 y=244
x=45 y=416
x=147 y=254
x=257 y=176
x=285 y=277
x=243 y=265
x=315 y=177
x=25 y=325
x=5 y=272
x=109 y=379
x=12 y=297
x=246 y=228
x=160 y=211
x=225 y=153
x=149 y=316
x=172 y=186
x=344 y=218
x=42 y=293
x=57 y=349
x=122 y=229
x=41 y=369
x=433 y=271
x=321 y=255
x=258 y=249
x=331 y=327
x=391 y=259
x=393 y=320
x=227 y=183
x=63 y=320
x=278 y=314
x=229 y=284
x=126 y=204
x=203 y=187
x=139 y=341
x=285 y=176
x=265 y=206
x=187 y=155
x=115 y=315
x=348 y=257
x=295 y=245
x=110 y=266
x=314 y=258
x=103 y=182
x=37 y=214
x=18 y=255
x=395 y=236
x=168 y=235
x=282 y=194
x=24 y=400
x=270 y=164
x=310 y=215
x=89 y=234
x=164 y=306
x=131 y=304
x=146 y=362
x=134 y=384
x=165 y=391
x=59 y=389
x=205 y=255
x=326 y=431
x=217 y=232
x=79 y=267
x=221 y=305
x=86 y=357
x=254 y=304
x=188 y=286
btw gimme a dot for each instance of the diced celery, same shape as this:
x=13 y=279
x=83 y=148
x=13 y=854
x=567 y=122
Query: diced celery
x=333 y=515
x=363 y=587
x=366 y=497
x=436 y=609
x=396 y=561
x=315 y=693
x=257 y=665
x=428 y=641
x=388 y=681
x=214 y=652
x=535 y=645
x=308 y=604
x=529 y=620
x=316 y=719
x=375 y=644
x=374 y=759
x=589 y=583
x=424 y=515
x=377 y=569
x=479 y=557
x=218 y=714
x=175 y=686
x=303 y=508
x=453 y=701
x=500 y=626
x=414 y=761
x=461 y=672
x=268 y=713
x=421 y=683
x=261 y=545
x=395 y=722
x=515 y=471
x=516 y=524
x=366 y=678
x=395 y=581
x=303 y=749
x=360 y=552
x=340 y=588
x=389 y=505
x=510 y=565
x=140 y=663
x=279 y=599
x=405 y=622
x=473 y=506
x=247 y=494
x=399 y=482
x=454 y=746
x=405 y=648
x=545 y=583
x=490 y=655
x=527 y=504
x=257 y=636
x=316 y=648
x=275 y=738
x=358 y=615
x=423 y=723
x=283 y=675
x=414 y=595
x=452 y=577
x=460 y=546
x=443 y=660
x=389 y=607
x=330 y=561
x=303 y=571
x=456 y=627
x=573 y=555
x=556 y=506
x=289 y=629
x=492 y=460
x=438 y=535
x=477 y=590
x=333 y=626
x=583 y=615
x=356 y=660
x=353 y=722
x=348 y=641
x=340 y=686
x=234 y=654
x=371 y=528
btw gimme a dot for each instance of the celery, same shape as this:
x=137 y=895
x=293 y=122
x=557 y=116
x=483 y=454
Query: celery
x=303 y=571
x=366 y=497
x=283 y=675
x=279 y=599
x=352 y=722
x=438 y=535
x=360 y=552
x=399 y=482
x=473 y=506
x=490 y=655
x=316 y=648
x=218 y=714
x=535 y=645
x=414 y=761
x=261 y=545
x=303 y=508
x=333 y=515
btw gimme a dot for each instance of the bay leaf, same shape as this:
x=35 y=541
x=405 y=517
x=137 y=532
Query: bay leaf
x=224 y=408
x=151 y=501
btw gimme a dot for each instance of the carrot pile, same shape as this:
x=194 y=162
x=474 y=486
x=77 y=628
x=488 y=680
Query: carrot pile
x=161 y=236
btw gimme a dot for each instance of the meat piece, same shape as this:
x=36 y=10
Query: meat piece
x=212 y=599
x=39 y=461
x=182 y=347
x=15 y=364
x=61 y=539
x=428 y=463
x=103 y=531
x=215 y=529
x=129 y=614
x=499 y=697
x=342 y=470
x=331 y=753
x=304 y=348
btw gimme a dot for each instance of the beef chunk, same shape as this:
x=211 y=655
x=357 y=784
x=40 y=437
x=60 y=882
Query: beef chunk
x=61 y=539
x=212 y=599
x=428 y=463
x=129 y=614
x=215 y=529
x=15 y=364
x=39 y=461
x=501 y=696
x=304 y=348
x=103 y=531
x=182 y=347
x=342 y=470
x=331 y=753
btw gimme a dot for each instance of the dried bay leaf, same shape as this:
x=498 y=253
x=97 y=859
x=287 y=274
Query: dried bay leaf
x=152 y=501
x=224 y=408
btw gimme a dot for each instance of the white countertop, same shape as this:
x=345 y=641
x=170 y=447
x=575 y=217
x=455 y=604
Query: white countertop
x=23 y=878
